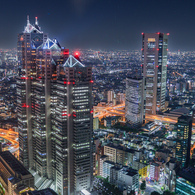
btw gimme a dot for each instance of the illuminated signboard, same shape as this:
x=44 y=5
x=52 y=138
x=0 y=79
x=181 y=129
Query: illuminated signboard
x=151 y=40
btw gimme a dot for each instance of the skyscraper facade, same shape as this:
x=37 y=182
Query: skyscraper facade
x=54 y=113
x=184 y=131
x=154 y=69
x=73 y=127
x=135 y=101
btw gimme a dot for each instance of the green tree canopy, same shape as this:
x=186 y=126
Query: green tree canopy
x=155 y=193
x=167 y=192
x=143 y=185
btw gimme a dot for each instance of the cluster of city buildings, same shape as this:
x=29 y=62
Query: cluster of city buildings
x=131 y=121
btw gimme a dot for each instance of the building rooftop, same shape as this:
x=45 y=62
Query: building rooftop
x=188 y=174
x=109 y=162
x=103 y=156
x=182 y=110
x=129 y=171
x=13 y=163
x=138 y=78
x=46 y=191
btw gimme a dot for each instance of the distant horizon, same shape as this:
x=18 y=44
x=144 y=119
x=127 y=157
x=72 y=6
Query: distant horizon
x=130 y=50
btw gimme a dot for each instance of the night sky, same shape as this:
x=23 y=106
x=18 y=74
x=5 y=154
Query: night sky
x=101 y=24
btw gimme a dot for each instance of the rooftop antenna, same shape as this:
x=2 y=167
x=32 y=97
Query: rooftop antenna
x=36 y=21
x=28 y=22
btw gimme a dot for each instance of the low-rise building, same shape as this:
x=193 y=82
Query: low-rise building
x=128 y=179
x=46 y=191
x=100 y=166
x=14 y=177
x=106 y=169
x=154 y=172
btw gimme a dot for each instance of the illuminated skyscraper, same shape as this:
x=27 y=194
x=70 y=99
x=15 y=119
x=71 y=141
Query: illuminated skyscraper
x=135 y=101
x=154 y=69
x=54 y=113
x=73 y=127
x=184 y=131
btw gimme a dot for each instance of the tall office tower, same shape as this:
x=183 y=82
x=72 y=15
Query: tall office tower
x=184 y=131
x=154 y=69
x=28 y=41
x=54 y=113
x=135 y=101
x=73 y=127
x=38 y=59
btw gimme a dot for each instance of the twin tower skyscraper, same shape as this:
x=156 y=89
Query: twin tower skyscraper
x=55 y=113
x=146 y=95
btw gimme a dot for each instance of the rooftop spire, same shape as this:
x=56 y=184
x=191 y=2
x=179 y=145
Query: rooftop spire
x=28 y=22
x=36 y=21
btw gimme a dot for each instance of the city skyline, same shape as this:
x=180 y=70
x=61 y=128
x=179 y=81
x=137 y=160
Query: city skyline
x=76 y=121
x=102 y=24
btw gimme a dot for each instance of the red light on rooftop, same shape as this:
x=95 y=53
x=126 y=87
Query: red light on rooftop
x=69 y=114
x=142 y=49
x=167 y=49
x=27 y=106
x=141 y=65
x=158 y=33
x=168 y=33
x=68 y=83
x=157 y=66
x=142 y=33
x=157 y=49
x=166 y=65
x=91 y=81
x=66 y=52
x=65 y=82
x=77 y=53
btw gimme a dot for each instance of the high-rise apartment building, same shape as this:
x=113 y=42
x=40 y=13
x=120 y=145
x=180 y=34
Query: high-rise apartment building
x=55 y=119
x=135 y=101
x=184 y=131
x=154 y=69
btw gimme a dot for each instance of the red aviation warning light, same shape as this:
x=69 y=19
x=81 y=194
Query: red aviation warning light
x=76 y=54
x=66 y=52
